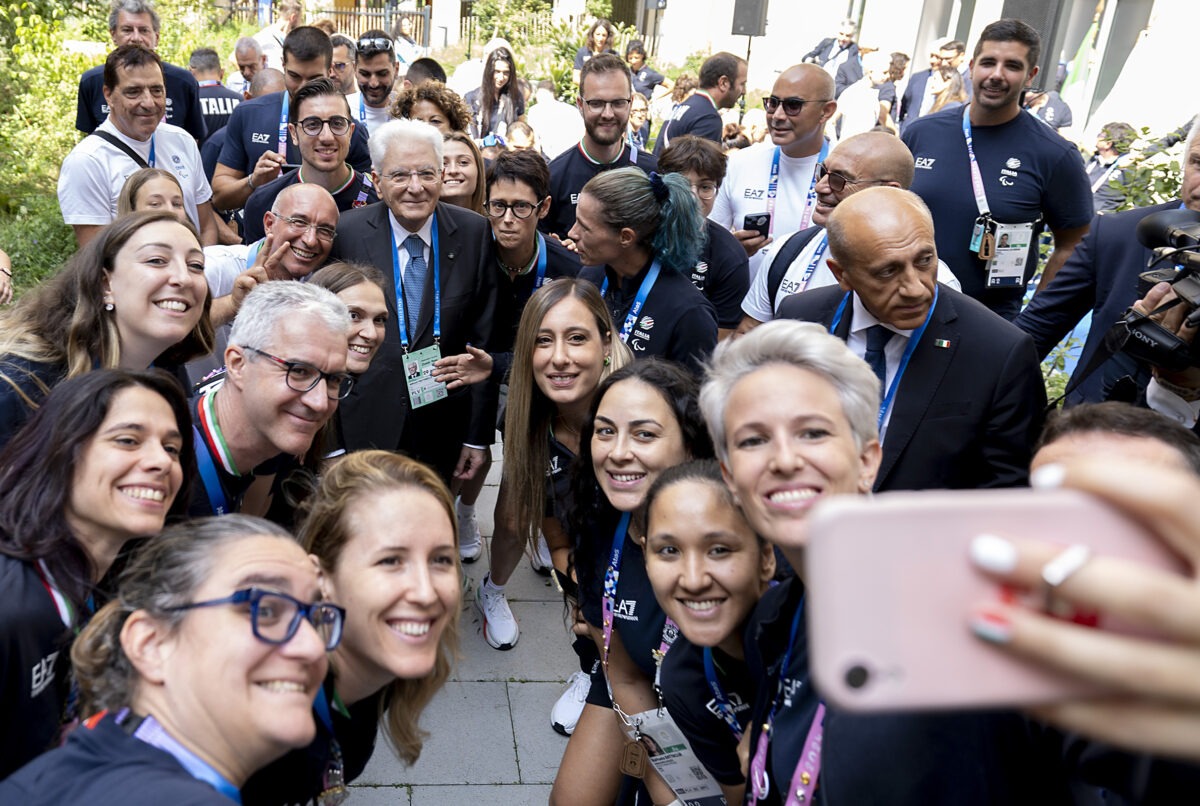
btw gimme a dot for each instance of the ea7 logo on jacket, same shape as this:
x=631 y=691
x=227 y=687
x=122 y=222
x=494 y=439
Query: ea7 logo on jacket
x=926 y=162
x=753 y=193
x=625 y=609
x=258 y=137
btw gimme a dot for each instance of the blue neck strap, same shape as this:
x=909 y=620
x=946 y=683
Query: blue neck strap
x=636 y=308
x=152 y=152
x=541 y=269
x=283 y=123
x=209 y=475
x=153 y=734
x=401 y=322
x=724 y=706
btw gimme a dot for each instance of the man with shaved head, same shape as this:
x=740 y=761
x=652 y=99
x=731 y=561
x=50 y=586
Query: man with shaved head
x=779 y=178
x=962 y=389
x=800 y=261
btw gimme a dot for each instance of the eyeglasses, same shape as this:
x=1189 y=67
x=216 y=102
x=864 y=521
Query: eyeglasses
x=302 y=377
x=617 y=104
x=340 y=66
x=324 y=233
x=426 y=176
x=837 y=182
x=791 y=106
x=705 y=190
x=520 y=209
x=375 y=43
x=312 y=126
x=275 y=617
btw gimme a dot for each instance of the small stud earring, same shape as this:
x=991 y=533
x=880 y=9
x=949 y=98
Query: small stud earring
x=607 y=360
x=108 y=306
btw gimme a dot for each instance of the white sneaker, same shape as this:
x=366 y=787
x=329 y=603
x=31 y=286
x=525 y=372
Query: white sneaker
x=470 y=543
x=540 y=560
x=500 y=628
x=564 y=716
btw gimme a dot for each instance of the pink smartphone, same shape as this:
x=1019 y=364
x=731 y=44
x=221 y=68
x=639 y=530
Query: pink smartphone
x=890 y=589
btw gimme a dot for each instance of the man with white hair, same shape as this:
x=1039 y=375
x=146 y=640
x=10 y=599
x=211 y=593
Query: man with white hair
x=441 y=297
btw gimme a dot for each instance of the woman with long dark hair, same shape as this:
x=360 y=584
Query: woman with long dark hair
x=498 y=101
x=101 y=462
x=599 y=39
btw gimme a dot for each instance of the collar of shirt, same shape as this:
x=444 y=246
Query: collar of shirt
x=142 y=147
x=400 y=234
x=893 y=351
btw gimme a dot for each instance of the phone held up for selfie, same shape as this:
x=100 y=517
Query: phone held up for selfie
x=759 y=222
x=890 y=590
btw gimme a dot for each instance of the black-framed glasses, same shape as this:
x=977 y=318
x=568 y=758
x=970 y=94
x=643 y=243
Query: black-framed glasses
x=521 y=209
x=324 y=232
x=312 y=126
x=302 y=377
x=838 y=182
x=791 y=106
x=597 y=105
x=426 y=176
x=275 y=616
x=374 y=43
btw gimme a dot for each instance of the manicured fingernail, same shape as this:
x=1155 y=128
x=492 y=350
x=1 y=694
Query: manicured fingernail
x=995 y=628
x=1047 y=477
x=993 y=554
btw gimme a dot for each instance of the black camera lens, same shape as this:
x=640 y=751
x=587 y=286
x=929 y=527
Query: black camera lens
x=857 y=676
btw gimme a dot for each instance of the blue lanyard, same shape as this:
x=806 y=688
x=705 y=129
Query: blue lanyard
x=283 y=122
x=437 y=291
x=643 y=291
x=981 y=201
x=362 y=109
x=818 y=253
x=913 y=340
x=724 y=707
x=153 y=734
x=208 y=474
x=151 y=160
x=541 y=270
x=773 y=189
x=787 y=660
x=611 y=577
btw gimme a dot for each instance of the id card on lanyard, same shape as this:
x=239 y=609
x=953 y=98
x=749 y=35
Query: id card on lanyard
x=1005 y=247
x=639 y=301
x=418 y=364
x=773 y=190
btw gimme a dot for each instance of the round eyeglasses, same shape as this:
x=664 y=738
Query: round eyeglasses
x=312 y=126
x=302 y=377
x=275 y=616
x=520 y=209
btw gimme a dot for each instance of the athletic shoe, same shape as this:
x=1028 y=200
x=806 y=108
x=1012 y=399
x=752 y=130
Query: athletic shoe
x=500 y=628
x=540 y=559
x=564 y=716
x=470 y=543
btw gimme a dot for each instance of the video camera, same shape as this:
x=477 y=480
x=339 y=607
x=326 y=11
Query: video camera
x=1172 y=235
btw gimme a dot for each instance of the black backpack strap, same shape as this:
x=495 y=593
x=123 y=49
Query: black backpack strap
x=116 y=141
x=784 y=259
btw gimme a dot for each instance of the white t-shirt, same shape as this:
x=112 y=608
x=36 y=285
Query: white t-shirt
x=374 y=117
x=93 y=174
x=859 y=107
x=744 y=192
x=757 y=303
x=558 y=125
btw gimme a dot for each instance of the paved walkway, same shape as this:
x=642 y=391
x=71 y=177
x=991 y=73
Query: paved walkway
x=490 y=739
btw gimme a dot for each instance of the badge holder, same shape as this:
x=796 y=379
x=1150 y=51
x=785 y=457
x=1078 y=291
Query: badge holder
x=659 y=743
x=423 y=389
x=1008 y=247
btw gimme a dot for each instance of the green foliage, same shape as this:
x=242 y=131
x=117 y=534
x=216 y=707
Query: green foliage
x=1054 y=368
x=602 y=9
x=514 y=20
x=36 y=239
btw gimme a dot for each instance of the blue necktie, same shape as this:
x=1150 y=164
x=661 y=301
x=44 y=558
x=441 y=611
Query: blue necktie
x=877 y=338
x=414 y=282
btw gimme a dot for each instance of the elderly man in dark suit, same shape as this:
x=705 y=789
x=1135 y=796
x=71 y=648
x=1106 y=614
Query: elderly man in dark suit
x=441 y=296
x=1101 y=275
x=963 y=393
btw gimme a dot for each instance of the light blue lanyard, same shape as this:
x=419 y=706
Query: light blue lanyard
x=908 y=350
x=818 y=253
x=773 y=189
x=151 y=160
x=638 y=301
x=153 y=734
x=283 y=122
x=362 y=108
x=541 y=270
x=437 y=291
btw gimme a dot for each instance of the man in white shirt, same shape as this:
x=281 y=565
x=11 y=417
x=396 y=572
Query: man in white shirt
x=558 y=125
x=270 y=39
x=779 y=178
x=132 y=137
x=377 y=69
x=249 y=58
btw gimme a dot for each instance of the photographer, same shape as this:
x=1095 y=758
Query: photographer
x=1101 y=275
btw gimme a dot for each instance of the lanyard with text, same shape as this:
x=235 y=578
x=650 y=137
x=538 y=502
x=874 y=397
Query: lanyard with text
x=333 y=777
x=150 y=161
x=909 y=349
x=362 y=108
x=804 y=778
x=818 y=253
x=724 y=706
x=283 y=122
x=643 y=291
x=437 y=292
x=983 y=235
x=541 y=262
x=152 y=733
x=773 y=190
x=209 y=442
x=612 y=575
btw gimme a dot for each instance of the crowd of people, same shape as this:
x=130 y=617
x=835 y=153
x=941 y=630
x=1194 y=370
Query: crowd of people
x=244 y=429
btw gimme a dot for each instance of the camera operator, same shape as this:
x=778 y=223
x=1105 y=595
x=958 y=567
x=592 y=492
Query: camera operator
x=1101 y=275
x=1172 y=392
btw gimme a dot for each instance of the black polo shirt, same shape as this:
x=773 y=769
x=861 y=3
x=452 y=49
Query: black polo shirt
x=723 y=274
x=358 y=192
x=570 y=171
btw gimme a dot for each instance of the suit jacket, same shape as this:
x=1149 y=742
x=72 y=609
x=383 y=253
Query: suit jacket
x=377 y=411
x=969 y=406
x=1101 y=275
x=827 y=49
x=910 y=102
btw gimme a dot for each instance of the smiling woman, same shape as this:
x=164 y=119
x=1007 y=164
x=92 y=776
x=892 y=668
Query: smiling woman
x=381 y=528
x=99 y=464
x=133 y=297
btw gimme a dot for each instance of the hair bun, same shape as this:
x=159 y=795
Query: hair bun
x=659 y=187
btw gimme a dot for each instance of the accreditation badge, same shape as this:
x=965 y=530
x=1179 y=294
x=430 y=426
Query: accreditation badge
x=668 y=751
x=1006 y=269
x=418 y=373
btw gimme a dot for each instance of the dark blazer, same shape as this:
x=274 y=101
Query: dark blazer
x=826 y=49
x=1101 y=275
x=969 y=406
x=377 y=412
x=910 y=102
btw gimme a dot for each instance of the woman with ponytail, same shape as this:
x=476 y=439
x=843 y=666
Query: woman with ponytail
x=639 y=235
